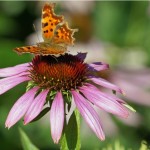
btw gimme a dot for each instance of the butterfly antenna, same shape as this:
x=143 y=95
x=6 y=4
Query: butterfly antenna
x=36 y=33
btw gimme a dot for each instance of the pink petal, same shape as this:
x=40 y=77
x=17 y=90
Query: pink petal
x=106 y=103
x=89 y=114
x=107 y=84
x=23 y=65
x=8 y=83
x=36 y=107
x=98 y=66
x=11 y=71
x=57 y=117
x=106 y=95
x=20 y=107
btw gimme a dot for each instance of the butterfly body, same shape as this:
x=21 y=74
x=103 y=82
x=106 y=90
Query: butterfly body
x=56 y=34
x=50 y=48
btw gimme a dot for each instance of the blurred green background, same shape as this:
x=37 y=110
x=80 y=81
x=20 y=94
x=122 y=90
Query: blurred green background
x=122 y=29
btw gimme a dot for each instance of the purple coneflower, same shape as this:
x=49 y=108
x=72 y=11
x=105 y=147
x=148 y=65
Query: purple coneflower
x=50 y=80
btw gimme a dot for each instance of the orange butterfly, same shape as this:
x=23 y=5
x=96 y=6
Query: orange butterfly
x=56 y=34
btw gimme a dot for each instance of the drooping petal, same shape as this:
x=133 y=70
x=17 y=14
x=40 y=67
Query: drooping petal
x=107 y=84
x=98 y=66
x=89 y=114
x=20 y=107
x=81 y=56
x=36 y=107
x=11 y=71
x=114 y=97
x=57 y=117
x=105 y=102
x=10 y=82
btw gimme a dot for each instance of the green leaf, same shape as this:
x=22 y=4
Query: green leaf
x=26 y=143
x=129 y=107
x=67 y=96
x=42 y=113
x=30 y=85
x=71 y=137
x=116 y=145
x=144 y=145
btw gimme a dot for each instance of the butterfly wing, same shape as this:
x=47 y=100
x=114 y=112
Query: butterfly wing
x=42 y=49
x=64 y=35
x=49 y=21
x=27 y=49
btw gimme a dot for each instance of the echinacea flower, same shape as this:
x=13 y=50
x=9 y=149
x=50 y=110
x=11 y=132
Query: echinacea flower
x=49 y=79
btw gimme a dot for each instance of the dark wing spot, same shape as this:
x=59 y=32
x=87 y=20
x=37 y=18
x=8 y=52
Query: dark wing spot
x=46 y=31
x=51 y=30
x=44 y=24
x=28 y=47
x=51 y=24
x=57 y=33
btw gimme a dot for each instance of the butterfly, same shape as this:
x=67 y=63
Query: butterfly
x=56 y=34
